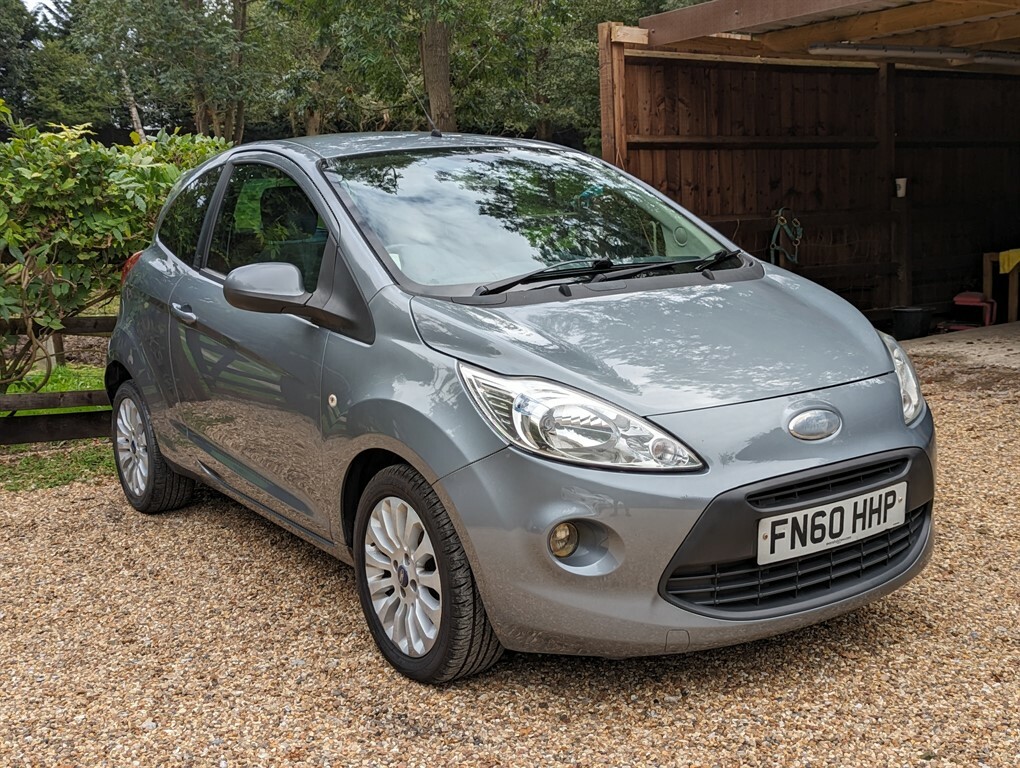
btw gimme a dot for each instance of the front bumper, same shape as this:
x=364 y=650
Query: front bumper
x=612 y=600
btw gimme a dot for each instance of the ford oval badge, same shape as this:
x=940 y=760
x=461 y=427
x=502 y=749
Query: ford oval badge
x=815 y=424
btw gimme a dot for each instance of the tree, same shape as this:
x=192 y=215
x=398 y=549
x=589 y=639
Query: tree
x=17 y=31
x=384 y=32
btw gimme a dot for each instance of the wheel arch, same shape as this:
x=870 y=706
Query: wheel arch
x=115 y=375
x=361 y=470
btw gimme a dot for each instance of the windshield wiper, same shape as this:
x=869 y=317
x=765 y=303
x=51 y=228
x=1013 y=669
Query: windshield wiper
x=552 y=271
x=700 y=265
x=714 y=260
x=628 y=270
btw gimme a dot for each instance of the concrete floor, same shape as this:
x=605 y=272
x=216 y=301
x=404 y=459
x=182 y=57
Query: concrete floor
x=996 y=345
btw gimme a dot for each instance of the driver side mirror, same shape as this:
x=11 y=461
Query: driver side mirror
x=271 y=287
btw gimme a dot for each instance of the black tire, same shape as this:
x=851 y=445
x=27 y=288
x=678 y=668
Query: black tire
x=466 y=643
x=163 y=489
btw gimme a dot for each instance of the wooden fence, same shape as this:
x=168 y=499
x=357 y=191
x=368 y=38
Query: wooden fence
x=46 y=427
x=734 y=140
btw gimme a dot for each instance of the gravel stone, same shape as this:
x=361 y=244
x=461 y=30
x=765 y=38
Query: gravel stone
x=210 y=637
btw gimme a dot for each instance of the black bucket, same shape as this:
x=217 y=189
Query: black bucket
x=910 y=322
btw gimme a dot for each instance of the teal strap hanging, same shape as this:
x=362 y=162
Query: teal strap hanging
x=789 y=225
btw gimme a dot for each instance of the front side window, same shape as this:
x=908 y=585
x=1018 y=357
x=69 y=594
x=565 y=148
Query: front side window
x=181 y=227
x=471 y=216
x=266 y=217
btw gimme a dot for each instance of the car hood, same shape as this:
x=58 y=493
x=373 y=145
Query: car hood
x=670 y=350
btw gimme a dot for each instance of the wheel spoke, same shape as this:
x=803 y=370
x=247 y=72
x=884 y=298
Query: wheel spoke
x=426 y=615
x=376 y=558
x=429 y=579
x=377 y=534
x=391 y=512
x=399 y=632
x=380 y=585
x=386 y=607
x=423 y=551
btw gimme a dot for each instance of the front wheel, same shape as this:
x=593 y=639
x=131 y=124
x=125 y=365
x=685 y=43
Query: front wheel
x=150 y=484
x=415 y=584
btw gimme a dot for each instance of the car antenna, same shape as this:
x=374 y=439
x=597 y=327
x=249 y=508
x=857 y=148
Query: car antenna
x=432 y=123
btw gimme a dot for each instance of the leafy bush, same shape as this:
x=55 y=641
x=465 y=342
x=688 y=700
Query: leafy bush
x=71 y=212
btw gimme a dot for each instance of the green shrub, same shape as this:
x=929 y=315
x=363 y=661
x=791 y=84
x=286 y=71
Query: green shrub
x=71 y=212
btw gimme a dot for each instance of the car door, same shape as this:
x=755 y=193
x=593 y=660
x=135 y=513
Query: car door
x=145 y=298
x=248 y=383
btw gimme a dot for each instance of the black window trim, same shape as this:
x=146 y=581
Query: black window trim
x=204 y=233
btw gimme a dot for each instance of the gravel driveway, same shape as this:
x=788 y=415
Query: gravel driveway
x=210 y=637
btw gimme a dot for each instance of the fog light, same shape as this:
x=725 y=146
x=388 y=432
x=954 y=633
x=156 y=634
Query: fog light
x=563 y=540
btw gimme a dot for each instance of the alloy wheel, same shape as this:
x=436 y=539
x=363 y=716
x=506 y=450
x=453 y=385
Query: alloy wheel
x=132 y=447
x=402 y=576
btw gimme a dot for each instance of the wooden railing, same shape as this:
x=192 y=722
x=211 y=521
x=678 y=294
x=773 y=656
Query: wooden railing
x=46 y=427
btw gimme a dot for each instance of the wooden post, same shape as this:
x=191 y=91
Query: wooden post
x=885 y=131
x=900 y=224
x=611 y=94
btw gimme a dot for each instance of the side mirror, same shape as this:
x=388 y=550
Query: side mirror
x=271 y=287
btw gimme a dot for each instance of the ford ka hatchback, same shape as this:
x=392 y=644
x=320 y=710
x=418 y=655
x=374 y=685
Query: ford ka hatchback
x=533 y=402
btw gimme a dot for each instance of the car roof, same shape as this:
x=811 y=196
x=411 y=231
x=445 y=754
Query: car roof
x=316 y=148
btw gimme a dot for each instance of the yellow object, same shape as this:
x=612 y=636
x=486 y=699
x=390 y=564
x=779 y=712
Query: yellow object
x=1008 y=260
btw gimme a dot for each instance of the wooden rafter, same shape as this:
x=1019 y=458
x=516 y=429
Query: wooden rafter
x=729 y=15
x=885 y=23
x=962 y=36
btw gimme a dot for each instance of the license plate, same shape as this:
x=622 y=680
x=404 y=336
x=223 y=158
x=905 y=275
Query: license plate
x=795 y=534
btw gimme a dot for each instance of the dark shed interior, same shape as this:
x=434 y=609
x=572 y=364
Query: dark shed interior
x=826 y=111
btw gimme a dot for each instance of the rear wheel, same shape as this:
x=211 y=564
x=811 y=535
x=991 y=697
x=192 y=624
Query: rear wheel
x=150 y=484
x=415 y=584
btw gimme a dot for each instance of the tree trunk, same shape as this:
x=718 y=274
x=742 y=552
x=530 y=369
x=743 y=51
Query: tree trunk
x=132 y=105
x=313 y=121
x=240 y=19
x=434 y=47
x=238 y=123
x=201 y=114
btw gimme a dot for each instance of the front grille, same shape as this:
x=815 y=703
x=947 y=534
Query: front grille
x=852 y=480
x=745 y=586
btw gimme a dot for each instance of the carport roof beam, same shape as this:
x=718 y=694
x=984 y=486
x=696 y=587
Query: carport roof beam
x=728 y=15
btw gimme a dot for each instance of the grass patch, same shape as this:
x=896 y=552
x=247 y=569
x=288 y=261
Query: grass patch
x=65 y=378
x=49 y=465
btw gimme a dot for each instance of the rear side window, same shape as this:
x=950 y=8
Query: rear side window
x=266 y=217
x=182 y=224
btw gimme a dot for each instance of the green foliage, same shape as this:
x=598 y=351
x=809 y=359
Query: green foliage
x=71 y=212
x=266 y=68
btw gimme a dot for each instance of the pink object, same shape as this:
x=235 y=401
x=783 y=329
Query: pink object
x=975 y=299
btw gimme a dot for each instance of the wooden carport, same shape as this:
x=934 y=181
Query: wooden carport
x=740 y=108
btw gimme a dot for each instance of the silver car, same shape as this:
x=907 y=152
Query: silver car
x=533 y=402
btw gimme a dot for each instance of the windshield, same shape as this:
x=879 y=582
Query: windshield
x=474 y=216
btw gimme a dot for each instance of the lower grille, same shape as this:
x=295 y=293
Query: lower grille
x=746 y=586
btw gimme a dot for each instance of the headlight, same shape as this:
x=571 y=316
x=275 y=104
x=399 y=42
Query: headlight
x=561 y=423
x=910 y=388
